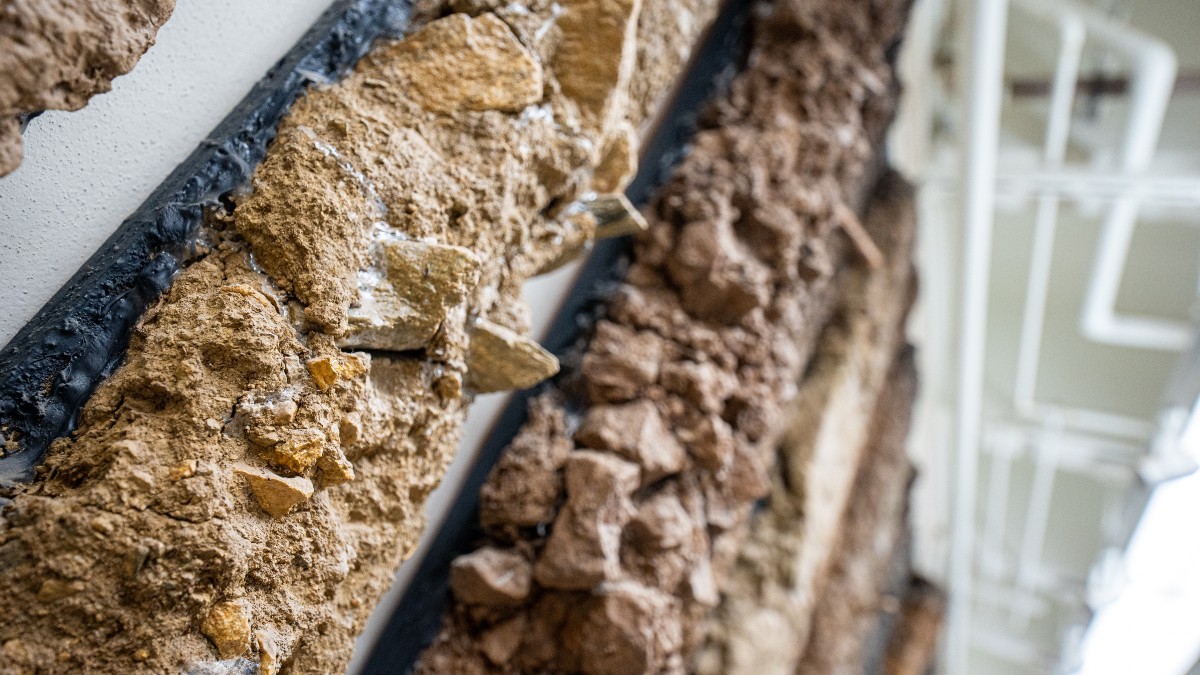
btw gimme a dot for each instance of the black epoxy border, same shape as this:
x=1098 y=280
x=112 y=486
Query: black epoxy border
x=52 y=366
x=417 y=618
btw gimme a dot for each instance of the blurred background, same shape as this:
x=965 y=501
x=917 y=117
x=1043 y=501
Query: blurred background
x=1055 y=145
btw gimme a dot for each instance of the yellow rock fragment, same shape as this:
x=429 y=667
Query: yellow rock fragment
x=298 y=452
x=227 y=625
x=500 y=359
x=424 y=281
x=329 y=370
x=619 y=161
x=335 y=468
x=268 y=653
x=184 y=469
x=56 y=589
x=276 y=494
x=596 y=57
x=460 y=62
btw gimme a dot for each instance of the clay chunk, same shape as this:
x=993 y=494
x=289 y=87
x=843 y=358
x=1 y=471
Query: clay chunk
x=500 y=359
x=465 y=63
x=491 y=577
x=423 y=282
x=635 y=431
x=276 y=494
x=227 y=625
x=584 y=548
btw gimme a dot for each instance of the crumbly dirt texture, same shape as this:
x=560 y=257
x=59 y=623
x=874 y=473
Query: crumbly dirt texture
x=757 y=311
x=57 y=54
x=784 y=565
x=241 y=491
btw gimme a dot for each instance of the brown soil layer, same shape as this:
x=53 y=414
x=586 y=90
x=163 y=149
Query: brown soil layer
x=783 y=566
x=912 y=648
x=57 y=54
x=615 y=518
x=244 y=487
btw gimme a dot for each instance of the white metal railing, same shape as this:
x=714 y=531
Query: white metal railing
x=1109 y=446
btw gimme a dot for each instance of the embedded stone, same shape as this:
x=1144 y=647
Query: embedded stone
x=274 y=493
x=620 y=362
x=298 y=451
x=635 y=431
x=334 y=467
x=227 y=625
x=596 y=56
x=268 y=652
x=618 y=162
x=615 y=216
x=584 y=547
x=630 y=628
x=500 y=359
x=329 y=370
x=420 y=283
x=56 y=589
x=491 y=577
x=466 y=63
x=499 y=644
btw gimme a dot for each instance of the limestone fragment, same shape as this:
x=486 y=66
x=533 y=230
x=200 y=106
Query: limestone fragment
x=335 y=468
x=500 y=359
x=227 y=625
x=422 y=282
x=268 y=652
x=619 y=161
x=298 y=452
x=615 y=216
x=492 y=577
x=472 y=63
x=635 y=431
x=584 y=548
x=595 y=59
x=329 y=370
x=276 y=494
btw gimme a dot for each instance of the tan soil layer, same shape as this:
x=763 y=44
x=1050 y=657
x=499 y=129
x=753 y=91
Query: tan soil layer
x=612 y=529
x=244 y=487
x=57 y=54
x=873 y=529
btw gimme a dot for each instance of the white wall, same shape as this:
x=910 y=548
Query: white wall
x=86 y=171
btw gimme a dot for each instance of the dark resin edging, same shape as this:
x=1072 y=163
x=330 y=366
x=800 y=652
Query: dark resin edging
x=52 y=366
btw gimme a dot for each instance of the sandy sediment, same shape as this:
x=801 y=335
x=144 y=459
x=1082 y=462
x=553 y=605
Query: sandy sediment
x=245 y=485
x=874 y=528
x=741 y=359
x=57 y=54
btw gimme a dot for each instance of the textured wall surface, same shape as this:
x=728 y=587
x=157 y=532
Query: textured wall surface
x=245 y=485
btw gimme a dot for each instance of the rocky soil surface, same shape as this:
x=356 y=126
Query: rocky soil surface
x=240 y=492
x=677 y=502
